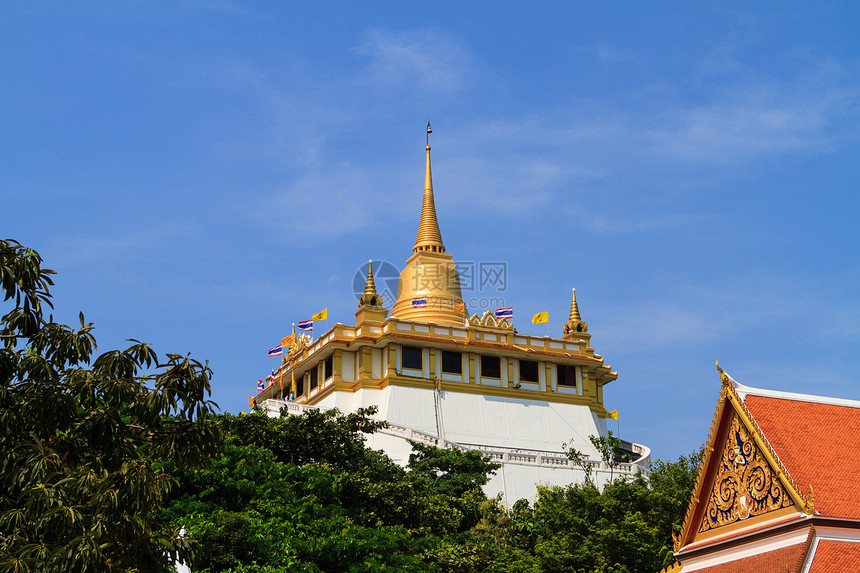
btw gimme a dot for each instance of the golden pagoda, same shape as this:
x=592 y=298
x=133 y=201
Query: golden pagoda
x=438 y=375
x=430 y=274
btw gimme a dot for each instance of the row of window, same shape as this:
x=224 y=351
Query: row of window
x=313 y=376
x=412 y=357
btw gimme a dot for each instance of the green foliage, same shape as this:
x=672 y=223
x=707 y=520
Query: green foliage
x=609 y=448
x=451 y=471
x=625 y=528
x=83 y=438
x=303 y=493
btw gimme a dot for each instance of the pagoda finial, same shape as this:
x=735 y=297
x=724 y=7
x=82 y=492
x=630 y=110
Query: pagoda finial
x=574 y=309
x=429 y=238
x=574 y=324
x=370 y=286
x=370 y=297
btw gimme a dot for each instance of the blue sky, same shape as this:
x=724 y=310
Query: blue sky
x=691 y=169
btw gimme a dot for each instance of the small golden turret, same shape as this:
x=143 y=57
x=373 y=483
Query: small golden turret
x=370 y=297
x=429 y=287
x=574 y=323
x=370 y=309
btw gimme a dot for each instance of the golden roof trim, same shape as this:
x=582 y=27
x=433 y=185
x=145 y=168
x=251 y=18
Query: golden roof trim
x=489 y=320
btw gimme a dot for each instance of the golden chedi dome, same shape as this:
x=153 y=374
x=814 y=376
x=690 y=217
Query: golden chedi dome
x=429 y=288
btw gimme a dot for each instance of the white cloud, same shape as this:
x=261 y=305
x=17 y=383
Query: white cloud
x=432 y=61
x=758 y=118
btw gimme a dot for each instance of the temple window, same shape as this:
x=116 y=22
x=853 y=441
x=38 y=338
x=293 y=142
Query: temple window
x=566 y=375
x=313 y=378
x=529 y=371
x=452 y=362
x=491 y=367
x=329 y=367
x=411 y=357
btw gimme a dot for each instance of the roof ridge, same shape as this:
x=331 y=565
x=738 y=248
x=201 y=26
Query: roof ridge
x=743 y=391
x=810 y=539
x=806 y=502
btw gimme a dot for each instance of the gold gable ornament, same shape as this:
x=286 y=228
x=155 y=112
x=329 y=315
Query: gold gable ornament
x=745 y=485
x=740 y=476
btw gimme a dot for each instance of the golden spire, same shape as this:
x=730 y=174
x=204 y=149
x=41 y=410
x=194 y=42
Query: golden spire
x=574 y=324
x=370 y=298
x=429 y=238
x=370 y=286
x=429 y=287
x=574 y=310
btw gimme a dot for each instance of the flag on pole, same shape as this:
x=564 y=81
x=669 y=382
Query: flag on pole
x=293 y=383
x=276 y=351
x=505 y=312
x=613 y=415
x=260 y=386
x=306 y=325
x=540 y=318
x=460 y=307
x=419 y=302
x=281 y=383
x=250 y=401
x=288 y=341
x=321 y=315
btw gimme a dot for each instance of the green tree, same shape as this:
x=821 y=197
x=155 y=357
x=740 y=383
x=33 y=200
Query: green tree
x=451 y=471
x=609 y=448
x=304 y=493
x=82 y=439
x=626 y=527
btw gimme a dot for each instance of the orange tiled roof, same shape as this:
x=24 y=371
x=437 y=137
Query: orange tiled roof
x=819 y=445
x=833 y=556
x=776 y=561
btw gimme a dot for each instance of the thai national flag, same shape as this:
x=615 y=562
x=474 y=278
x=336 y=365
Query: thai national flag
x=276 y=351
x=260 y=386
x=306 y=325
x=419 y=302
x=505 y=312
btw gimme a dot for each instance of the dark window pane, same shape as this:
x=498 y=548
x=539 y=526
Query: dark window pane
x=452 y=362
x=410 y=357
x=313 y=383
x=329 y=366
x=529 y=371
x=566 y=375
x=490 y=367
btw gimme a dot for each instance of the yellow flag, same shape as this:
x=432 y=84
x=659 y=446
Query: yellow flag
x=321 y=315
x=282 y=381
x=460 y=307
x=540 y=318
x=613 y=415
x=250 y=401
x=288 y=341
x=293 y=384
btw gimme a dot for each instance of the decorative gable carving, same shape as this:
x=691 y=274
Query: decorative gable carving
x=740 y=476
x=745 y=485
